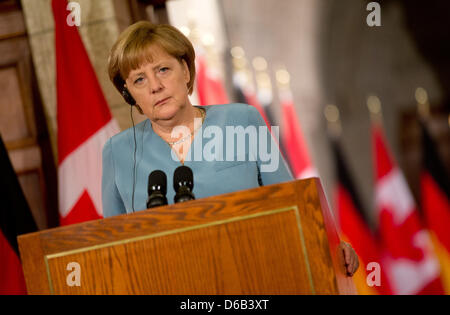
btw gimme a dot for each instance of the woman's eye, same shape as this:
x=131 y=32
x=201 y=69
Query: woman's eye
x=163 y=69
x=138 y=80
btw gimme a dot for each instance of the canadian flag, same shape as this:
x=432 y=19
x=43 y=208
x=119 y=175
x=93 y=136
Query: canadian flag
x=243 y=85
x=84 y=124
x=407 y=256
x=293 y=141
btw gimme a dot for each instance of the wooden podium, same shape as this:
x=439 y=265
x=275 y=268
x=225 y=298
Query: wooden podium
x=278 y=239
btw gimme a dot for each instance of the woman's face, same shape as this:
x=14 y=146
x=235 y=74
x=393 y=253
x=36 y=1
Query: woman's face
x=160 y=87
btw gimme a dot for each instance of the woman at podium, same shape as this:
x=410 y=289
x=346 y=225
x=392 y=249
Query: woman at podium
x=228 y=147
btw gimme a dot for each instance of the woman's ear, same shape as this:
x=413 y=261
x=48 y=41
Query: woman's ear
x=186 y=72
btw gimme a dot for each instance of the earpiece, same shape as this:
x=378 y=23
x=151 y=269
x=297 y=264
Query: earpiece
x=127 y=97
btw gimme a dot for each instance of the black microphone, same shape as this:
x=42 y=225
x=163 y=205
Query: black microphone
x=183 y=183
x=157 y=189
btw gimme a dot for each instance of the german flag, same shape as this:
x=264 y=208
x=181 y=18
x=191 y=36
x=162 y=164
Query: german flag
x=435 y=204
x=15 y=219
x=354 y=228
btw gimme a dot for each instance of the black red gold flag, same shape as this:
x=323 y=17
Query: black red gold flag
x=15 y=219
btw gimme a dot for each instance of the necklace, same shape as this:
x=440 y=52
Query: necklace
x=202 y=111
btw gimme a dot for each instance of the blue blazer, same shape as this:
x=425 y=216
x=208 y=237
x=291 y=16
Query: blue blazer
x=220 y=162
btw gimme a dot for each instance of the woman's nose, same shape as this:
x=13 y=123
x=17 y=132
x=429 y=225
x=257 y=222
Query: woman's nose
x=156 y=85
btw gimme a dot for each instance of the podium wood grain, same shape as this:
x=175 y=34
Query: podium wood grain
x=277 y=239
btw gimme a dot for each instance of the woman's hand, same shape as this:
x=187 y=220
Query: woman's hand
x=350 y=258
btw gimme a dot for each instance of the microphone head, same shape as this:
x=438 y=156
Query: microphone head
x=183 y=176
x=157 y=181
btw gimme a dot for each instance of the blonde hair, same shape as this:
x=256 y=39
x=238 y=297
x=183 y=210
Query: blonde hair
x=132 y=49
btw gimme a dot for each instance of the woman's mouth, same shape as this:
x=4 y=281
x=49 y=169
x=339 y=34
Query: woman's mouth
x=164 y=100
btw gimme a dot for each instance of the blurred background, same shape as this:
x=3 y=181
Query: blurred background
x=319 y=56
